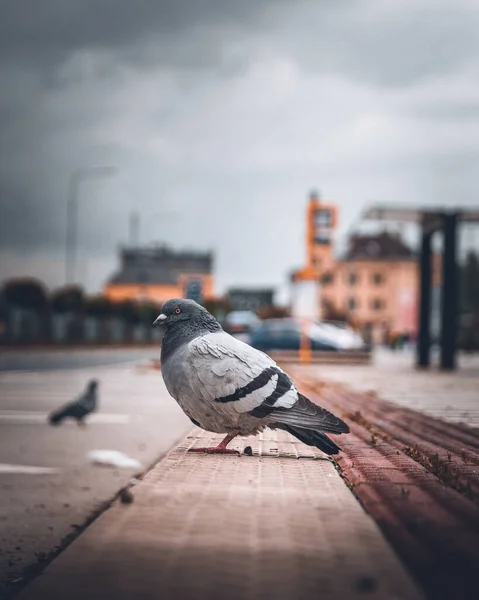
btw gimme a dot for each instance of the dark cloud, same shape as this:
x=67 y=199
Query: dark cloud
x=47 y=34
x=384 y=42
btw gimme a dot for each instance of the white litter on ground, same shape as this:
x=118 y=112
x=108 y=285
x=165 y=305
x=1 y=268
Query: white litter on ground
x=113 y=458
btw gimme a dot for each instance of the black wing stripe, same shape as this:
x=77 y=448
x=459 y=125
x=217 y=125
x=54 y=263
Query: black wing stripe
x=255 y=384
x=267 y=406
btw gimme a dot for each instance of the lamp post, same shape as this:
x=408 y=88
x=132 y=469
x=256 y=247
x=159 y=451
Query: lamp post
x=76 y=178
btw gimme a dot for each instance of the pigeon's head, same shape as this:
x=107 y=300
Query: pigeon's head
x=179 y=313
x=92 y=385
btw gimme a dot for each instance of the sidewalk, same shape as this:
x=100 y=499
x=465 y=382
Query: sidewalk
x=279 y=524
x=452 y=396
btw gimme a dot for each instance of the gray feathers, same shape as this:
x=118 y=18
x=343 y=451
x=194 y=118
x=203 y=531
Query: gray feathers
x=183 y=323
x=226 y=386
x=307 y=414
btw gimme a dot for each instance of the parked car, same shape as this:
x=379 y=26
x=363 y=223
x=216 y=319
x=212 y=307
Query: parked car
x=337 y=333
x=241 y=321
x=284 y=334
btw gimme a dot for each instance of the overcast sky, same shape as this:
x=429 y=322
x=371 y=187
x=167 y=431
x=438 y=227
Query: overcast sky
x=228 y=113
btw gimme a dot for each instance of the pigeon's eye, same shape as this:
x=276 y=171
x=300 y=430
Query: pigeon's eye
x=177 y=311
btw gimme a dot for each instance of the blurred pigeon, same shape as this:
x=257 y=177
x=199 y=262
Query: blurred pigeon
x=226 y=386
x=79 y=408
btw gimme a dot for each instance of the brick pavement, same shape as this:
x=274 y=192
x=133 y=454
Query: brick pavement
x=278 y=524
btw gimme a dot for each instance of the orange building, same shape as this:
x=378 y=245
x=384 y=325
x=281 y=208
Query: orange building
x=321 y=220
x=157 y=274
x=375 y=285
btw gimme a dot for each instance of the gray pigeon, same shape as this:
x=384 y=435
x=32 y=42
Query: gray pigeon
x=79 y=408
x=226 y=386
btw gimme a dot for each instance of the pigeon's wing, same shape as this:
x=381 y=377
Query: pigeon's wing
x=229 y=372
x=306 y=414
x=86 y=403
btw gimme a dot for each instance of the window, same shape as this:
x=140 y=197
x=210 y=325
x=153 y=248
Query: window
x=378 y=278
x=327 y=279
x=377 y=304
x=323 y=220
x=352 y=278
x=352 y=304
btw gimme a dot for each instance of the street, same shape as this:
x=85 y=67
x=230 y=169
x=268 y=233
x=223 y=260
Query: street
x=48 y=485
x=61 y=358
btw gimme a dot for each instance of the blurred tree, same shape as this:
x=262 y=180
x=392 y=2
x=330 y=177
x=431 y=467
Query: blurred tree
x=68 y=299
x=29 y=295
x=148 y=312
x=101 y=309
x=129 y=313
x=98 y=306
x=26 y=293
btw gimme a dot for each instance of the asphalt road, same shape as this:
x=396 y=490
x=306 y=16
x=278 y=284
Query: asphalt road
x=46 y=360
x=48 y=484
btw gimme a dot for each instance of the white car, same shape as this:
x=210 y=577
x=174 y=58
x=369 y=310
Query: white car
x=341 y=336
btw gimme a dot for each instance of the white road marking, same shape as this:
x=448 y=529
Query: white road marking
x=27 y=469
x=25 y=416
x=113 y=458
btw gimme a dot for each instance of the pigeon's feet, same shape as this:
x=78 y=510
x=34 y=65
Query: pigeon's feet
x=219 y=449
x=216 y=450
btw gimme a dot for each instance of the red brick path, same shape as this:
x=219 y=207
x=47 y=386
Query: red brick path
x=418 y=477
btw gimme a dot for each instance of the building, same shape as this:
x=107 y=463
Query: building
x=375 y=284
x=321 y=221
x=250 y=298
x=159 y=273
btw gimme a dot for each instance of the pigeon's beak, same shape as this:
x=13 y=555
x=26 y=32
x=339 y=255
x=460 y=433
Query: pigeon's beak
x=159 y=321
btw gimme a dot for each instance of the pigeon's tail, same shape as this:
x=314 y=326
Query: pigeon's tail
x=312 y=438
x=56 y=417
x=308 y=422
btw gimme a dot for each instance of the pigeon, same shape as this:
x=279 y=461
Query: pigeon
x=79 y=408
x=226 y=386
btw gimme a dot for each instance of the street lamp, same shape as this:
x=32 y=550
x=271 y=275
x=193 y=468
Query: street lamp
x=76 y=178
